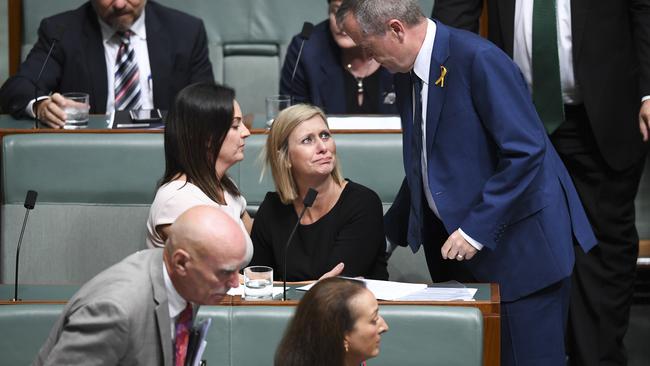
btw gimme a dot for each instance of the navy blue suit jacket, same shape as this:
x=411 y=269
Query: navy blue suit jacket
x=178 y=56
x=492 y=170
x=319 y=76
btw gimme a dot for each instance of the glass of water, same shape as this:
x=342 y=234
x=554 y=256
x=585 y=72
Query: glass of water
x=258 y=283
x=76 y=110
x=274 y=104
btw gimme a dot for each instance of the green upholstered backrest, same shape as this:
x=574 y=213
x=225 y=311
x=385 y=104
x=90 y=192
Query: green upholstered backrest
x=374 y=160
x=249 y=335
x=94 y=192
x=247 y=38
x=25 y=328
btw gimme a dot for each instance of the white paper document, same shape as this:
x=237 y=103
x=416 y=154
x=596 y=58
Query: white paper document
x=364 y=122
x=240 y=291
x=390 y=290
x=386 y=290
x=441 y=294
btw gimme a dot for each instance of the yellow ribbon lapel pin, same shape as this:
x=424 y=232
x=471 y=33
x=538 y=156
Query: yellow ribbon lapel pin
x=441 y=79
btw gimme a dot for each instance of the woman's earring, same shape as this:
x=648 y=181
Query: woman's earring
x=347 y=348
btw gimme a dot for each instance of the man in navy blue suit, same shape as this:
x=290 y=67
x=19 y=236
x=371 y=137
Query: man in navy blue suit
x=485 y=193
x=169 y=48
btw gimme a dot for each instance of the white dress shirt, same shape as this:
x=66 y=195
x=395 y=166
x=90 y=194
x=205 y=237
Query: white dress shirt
x=111 y=46
x=421 y=69
x=176 y=303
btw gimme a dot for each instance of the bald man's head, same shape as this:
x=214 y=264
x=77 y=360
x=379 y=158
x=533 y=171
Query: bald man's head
x=203 y=253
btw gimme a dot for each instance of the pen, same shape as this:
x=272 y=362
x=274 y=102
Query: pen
x=150 y=83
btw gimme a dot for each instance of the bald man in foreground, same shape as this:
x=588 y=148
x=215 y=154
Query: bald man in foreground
x=137 y=311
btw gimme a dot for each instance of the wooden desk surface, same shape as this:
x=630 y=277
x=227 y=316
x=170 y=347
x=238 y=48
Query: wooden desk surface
x=98 y=124
x=488 y=304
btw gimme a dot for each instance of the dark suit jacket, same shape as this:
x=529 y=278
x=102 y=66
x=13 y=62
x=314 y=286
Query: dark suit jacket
x=611 y=53
x=319 y=77
x=492 y=169
x=120 y=317
x=178 y=56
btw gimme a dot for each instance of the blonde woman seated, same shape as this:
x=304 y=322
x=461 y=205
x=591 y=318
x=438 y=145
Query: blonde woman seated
x=204 y=136
x=342 y=233
x=337 y=323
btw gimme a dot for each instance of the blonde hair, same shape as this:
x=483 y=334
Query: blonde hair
x=276 y=153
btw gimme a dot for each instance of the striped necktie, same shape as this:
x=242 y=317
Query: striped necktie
x=547 y=87
x=127 y=75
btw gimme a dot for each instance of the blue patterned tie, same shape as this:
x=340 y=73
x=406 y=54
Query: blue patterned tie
x=415 y=168
x=127 y=75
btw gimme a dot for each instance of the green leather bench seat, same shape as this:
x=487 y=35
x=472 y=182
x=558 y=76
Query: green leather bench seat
x=95 y=191
x=249 y=335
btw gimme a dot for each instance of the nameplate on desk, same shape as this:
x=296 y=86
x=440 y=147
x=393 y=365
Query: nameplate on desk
x=364 y=122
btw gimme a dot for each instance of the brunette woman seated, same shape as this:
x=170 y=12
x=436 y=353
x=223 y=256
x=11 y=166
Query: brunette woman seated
x=337 y=323
x=342 y=233
x=204 y=136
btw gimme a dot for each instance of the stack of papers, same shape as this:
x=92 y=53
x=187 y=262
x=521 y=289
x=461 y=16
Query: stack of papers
x=364 y=122
x=240 y=291
x=401 y=291
x=441 y=294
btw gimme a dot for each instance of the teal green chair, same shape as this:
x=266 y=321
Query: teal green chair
x=94 y=192
x=249 y=335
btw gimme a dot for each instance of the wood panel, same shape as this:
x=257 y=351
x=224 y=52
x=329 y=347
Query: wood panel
x=15 y=13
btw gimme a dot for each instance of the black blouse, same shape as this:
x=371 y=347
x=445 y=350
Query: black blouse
x=371 y=98
x=352 y=232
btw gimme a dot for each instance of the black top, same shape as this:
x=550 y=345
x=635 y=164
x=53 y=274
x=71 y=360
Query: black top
x=371 y=86
x=352 y=233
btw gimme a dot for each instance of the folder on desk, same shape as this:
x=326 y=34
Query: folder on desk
x=197 y=342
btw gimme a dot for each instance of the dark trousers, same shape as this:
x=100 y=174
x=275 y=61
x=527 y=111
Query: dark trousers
x=533 y=327
x=603 y=279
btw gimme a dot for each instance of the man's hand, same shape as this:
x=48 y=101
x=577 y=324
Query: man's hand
x=50 y=111
x=457 y=248
x=644 y=119
x=337 y=270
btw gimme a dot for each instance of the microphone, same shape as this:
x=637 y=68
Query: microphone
x=30 y=201
x=307 y=28
x=310 y=197
x=55 y=38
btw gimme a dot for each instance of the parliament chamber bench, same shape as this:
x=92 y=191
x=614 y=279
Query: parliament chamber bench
x=249 y=334
x=94 y=192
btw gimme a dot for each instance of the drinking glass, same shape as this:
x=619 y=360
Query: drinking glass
x=258 y=283
x=76 y=110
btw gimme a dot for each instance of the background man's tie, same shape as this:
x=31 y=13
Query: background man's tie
x=127 y=75
x=547 y=88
